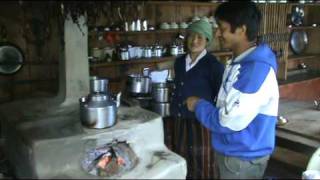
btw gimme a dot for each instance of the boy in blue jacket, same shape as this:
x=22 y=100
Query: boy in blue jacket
x=243 y=121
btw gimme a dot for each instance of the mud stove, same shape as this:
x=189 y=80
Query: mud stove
x=44 y=137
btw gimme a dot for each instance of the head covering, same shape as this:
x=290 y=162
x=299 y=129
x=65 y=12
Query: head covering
x=203 y=27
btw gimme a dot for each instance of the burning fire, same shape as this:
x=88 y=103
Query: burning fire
x=110 y=159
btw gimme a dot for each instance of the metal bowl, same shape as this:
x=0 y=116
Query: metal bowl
x=298 y=41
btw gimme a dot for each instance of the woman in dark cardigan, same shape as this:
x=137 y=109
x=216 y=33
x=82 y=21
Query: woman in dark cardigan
x=196 y=73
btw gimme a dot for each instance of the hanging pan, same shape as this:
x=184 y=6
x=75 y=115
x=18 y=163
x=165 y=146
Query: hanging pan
x=11 y=58
x=298 y=41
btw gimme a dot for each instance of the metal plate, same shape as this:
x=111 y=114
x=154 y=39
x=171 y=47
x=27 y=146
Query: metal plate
x=11 y=59
x=298 y=41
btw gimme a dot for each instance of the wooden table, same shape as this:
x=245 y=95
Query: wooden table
x=302 y=132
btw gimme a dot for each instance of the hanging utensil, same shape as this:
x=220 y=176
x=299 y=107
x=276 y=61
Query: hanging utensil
x=298 y=41
x=11 y=58
x=297 y=15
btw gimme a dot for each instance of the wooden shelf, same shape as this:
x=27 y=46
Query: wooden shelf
x=132 y=61
x=304 y=27
x=295 y=60
x=302 y=57
x=149 y=60
x=146 y=32
x=190 y=3
x=305 y=4
x=299 y=76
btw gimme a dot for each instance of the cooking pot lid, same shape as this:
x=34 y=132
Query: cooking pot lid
x=137 y=75
x=11 y=59
x=298 y=41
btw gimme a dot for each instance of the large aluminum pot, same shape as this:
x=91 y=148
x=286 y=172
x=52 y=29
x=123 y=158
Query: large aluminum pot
x=98 y=111
x=139 y=84
x=161 y=108
x=161 y=92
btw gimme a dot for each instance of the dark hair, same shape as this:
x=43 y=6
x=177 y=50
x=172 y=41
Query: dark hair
x=238 y=13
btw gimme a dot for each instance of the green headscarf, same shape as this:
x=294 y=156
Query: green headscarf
x=202 y=27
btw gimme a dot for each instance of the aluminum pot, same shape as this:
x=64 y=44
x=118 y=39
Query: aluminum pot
x=147 y=52
x=161 y=108
x=98 y=111
x=139 y=84
x=157 y=51
x=174 y=50
x=161 y=92
x=124 y=54
x=98 y=85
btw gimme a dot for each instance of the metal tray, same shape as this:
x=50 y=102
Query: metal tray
x=298 y=41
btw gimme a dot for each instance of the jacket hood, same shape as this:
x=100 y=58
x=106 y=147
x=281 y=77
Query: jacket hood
x=264 y=54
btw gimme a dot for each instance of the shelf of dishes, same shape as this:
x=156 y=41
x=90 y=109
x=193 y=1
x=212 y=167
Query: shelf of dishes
x=139 y=26
x=303 y=56
x=133 y=61
x=161 y=31
x=103 y=63
x=304 y=27
x=128 y=52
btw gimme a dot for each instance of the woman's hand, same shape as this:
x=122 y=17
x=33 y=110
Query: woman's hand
x=191 y=102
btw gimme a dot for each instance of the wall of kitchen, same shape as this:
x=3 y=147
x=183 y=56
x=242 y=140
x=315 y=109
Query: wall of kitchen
x=31 y=27
x=35 y=27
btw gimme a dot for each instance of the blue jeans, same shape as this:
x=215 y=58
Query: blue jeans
x=235 y=168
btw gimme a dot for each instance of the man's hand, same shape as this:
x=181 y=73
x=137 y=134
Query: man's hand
x=191 y=102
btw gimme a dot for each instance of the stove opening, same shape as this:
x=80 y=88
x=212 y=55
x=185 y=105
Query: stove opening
x=111 y=159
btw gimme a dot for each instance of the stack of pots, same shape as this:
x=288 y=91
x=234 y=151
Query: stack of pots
x=139 y=85
x=98 y=110
x=161 y=95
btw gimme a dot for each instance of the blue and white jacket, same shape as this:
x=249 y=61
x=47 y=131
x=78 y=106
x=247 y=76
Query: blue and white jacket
x=244 y=119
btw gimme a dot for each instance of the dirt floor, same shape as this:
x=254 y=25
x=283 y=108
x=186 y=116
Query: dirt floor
x=279 y=170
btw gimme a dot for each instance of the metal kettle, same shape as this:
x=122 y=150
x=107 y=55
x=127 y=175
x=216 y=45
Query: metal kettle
x=99 y=109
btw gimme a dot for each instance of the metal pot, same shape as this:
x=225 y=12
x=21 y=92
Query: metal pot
x=161 y=108
x=98 y=85
x=98 y=111
x=161 y=92
x=139 y=84
x=124 y=54
x=147 y=52
x=174 y=50
x=157 y=51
